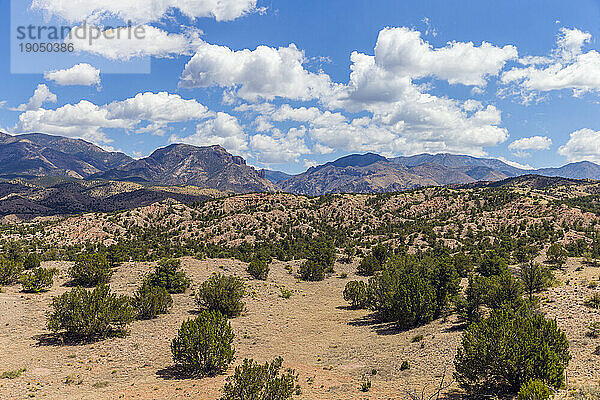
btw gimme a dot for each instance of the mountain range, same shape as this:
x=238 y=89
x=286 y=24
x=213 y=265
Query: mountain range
x=372 y=173
x=212 y=167
x=35 y=155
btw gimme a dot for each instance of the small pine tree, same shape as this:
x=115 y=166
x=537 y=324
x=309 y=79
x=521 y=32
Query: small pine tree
x=85 y=314
x=204 y=345
x=492 y=264
x=168 y=274
x=150 y=301
x=259 y=269
x=368 y=266
x=91 y=270
x=556 y=254
x=356 y=293
x=252 y=381
x=535 y=277
x=312 y=271
x=10 y=271
x=508 y=349
x=222 y=293
x=31 y=261
x=403 y=295
x=38 y=280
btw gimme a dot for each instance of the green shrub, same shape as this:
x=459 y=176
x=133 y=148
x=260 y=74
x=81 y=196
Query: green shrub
x=204 y=345
x=535 y=277
x=525 y=253
x=404 y=366
x=413 y=290
x=38 y=280
x=492 y=264
x=368 y=266
x=508 y=349
x=222 y=293
x=312 y=271
x=14 y=374
x=381 y=253
x=259 y=269
x=320 y=257
x=356 y=294
x=14 y=252
x=556 y=254
x=535 y=389
x=83 y=313
x=594 y=330
x=417 y=339
x=10 y=271
x=31 y=261
x=168 y=275
x=150 y=301
x=253 y=381
x=403 y=295
x=593 y=301
x=365 y=385
x=375 y=261
x=495 y=292
x=91 y=270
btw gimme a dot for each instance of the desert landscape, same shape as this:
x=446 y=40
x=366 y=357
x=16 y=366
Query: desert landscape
x=333 y=347
x=299 y=200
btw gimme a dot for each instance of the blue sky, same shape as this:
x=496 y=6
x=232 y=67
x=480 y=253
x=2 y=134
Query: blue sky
x=422 y=78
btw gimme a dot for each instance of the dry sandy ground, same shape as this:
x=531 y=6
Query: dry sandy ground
x=332 y=348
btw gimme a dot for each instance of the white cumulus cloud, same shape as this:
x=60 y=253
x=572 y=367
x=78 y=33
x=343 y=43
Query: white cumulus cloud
x=263 y=73
x=403 y=52
x=41 y=95
x=531 y=143
x=280 y=147
x=159 y=108
x=124 y=43
x=583 y=145
x=81 y=74
x=83 y=120
x=87 y=120
x=144 y=11
x=568 y=67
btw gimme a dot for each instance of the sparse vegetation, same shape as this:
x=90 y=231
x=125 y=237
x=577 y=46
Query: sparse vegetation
x=415 y=247
x=12 y=374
